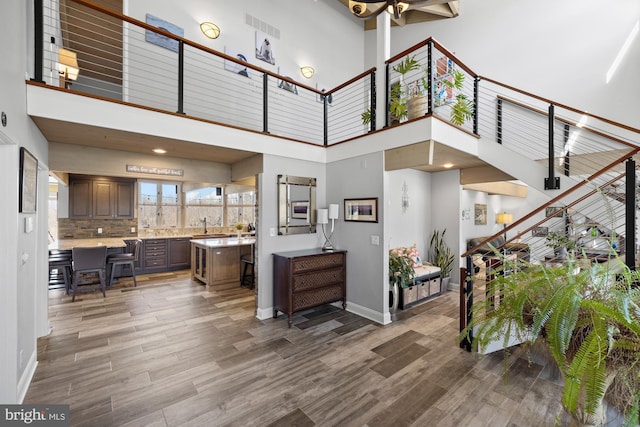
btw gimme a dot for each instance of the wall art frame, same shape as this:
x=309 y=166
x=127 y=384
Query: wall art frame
x=479 y=214
x=28 y=182
x=361 y=210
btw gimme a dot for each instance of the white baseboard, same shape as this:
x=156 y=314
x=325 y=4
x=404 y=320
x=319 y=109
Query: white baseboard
x=376 y=316
x=27 y=376
x=453 y=286
x=264 y=313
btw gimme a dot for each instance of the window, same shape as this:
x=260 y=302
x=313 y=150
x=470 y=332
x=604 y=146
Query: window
x=203 y=203
x=241 y=207
x=159 y=204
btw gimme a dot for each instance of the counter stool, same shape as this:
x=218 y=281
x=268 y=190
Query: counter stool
x=247 y=276
x=60 y=269
x=127 y=258
x=89 y=260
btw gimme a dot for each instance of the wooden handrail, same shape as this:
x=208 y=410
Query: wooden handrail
x=566 y=107
x=198 y=46
x=348 y=82
x=438 y=46
x=545 y=113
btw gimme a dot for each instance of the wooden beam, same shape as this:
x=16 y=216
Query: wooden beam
x=483 y=174
x=502 y=188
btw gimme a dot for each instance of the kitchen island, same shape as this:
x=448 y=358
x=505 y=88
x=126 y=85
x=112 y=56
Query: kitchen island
x=216 y=262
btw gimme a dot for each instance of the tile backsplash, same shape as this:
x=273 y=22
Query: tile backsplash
x=88 y=229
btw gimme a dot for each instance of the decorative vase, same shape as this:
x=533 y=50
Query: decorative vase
x=394 y=295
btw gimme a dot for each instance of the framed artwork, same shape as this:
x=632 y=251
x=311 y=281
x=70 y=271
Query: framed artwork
x=300 y=209
x=553 y=211
x=361 y=210
x=480 y=214
x=159 y=39
x=288 y=86
x=265 y=48
x=28 y=182
x=234 y=67
x=540 y=231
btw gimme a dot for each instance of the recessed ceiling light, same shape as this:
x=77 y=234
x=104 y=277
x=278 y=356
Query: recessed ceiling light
x=159 y=151
x=448 y=165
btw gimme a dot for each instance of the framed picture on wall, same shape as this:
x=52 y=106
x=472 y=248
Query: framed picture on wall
x=28 y=182
x=300 y=209
x=480 y=214
x=361 y=210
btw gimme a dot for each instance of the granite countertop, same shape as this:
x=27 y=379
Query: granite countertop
x=66 y=244
x=224 y=242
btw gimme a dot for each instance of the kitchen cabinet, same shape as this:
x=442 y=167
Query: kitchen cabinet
x=179 y=252
x=100 y=198
x=155 y=255
x=216 y=262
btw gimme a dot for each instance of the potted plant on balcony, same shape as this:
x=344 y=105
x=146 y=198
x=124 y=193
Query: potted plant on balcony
x=441 y=255
x=400 y=274
x=560 y=243
x=584 y=319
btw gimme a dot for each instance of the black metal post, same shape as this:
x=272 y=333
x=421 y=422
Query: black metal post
x=38 y=22
x=466 y=295
x=180 y=77
x=567 y=154
x=476 y=89
x=430 y=77
x=265 y=103
x=552 y=182
x=499 y=120
x=630 y=215
x=374 y=102
x=325 y=114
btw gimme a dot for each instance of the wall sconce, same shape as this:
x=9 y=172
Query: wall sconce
x=307 y=71
x=67 y=66
x=324 y=215
x=210 y=30
x=504 y=219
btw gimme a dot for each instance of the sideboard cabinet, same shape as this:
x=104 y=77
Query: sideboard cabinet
x=308 y=278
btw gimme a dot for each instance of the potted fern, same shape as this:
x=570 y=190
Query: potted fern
x=585 y=318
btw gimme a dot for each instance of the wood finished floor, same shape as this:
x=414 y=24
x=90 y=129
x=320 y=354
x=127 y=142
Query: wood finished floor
x=172 y=353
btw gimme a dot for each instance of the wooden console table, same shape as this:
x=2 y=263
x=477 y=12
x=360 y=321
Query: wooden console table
x=308 y=278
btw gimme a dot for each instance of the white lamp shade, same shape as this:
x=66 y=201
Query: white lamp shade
x=333 y=211
x=323 y=216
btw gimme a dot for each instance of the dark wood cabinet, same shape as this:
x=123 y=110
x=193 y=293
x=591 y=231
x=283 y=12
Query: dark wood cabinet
x=154 y=255
x=308 y=278
x=101 y=198
x=179 y=252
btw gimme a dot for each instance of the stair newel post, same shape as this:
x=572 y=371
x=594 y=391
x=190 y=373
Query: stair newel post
x=374 y=100
x=325 y=120
x=180 y=77
x=630 y=214
x=466 y=301
x=552 y=182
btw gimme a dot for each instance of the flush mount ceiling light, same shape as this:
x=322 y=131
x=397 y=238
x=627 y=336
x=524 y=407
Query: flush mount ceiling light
x=366 y=9
x=159 y=151
x=210 y=30
x=307 y=71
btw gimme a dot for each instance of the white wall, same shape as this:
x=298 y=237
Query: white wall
x=362 y=177
x=559 y=50
x=268 y=221
x=21 y=260
x=445 y=212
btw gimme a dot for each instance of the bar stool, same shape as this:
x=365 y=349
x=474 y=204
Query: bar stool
x=60 y=269
x=247 y=276
x=127 y=258
x=89 y=260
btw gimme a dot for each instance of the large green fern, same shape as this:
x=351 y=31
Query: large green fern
x=589 y=318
